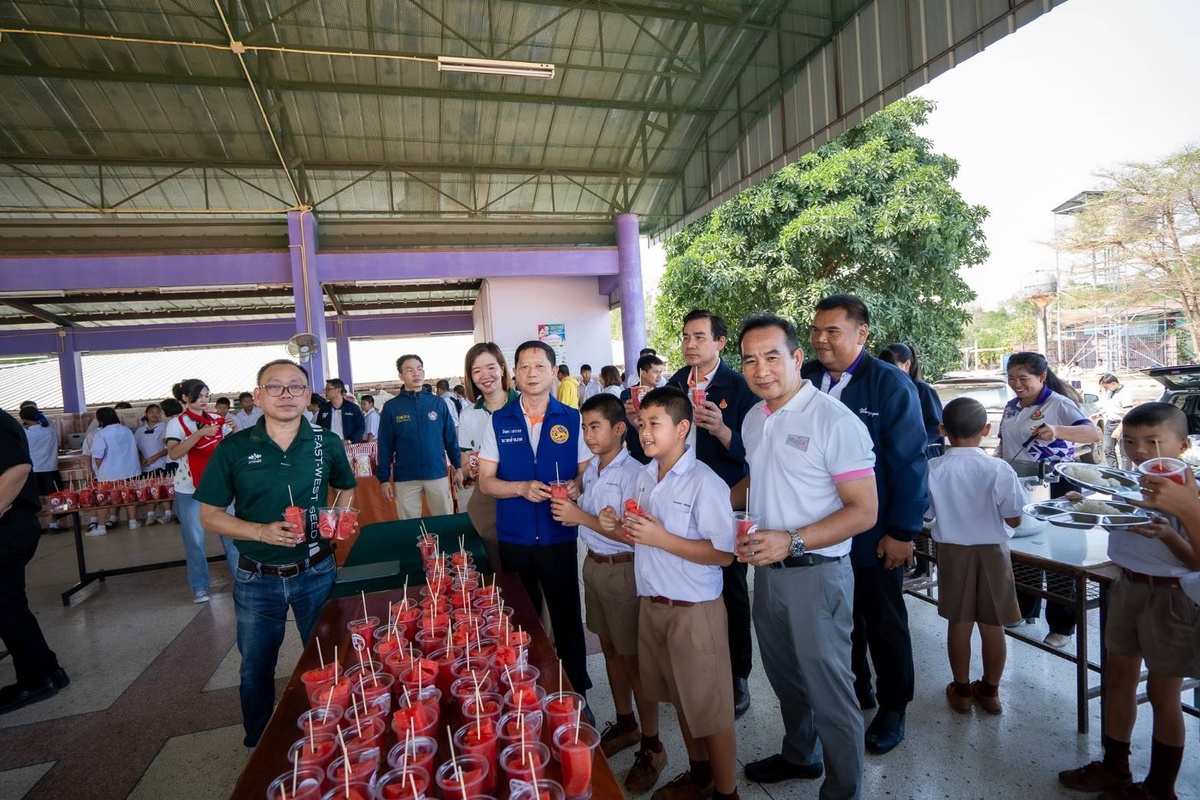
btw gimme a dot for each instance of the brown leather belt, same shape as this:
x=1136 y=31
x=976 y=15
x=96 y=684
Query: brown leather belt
x=666 y=601
x=1151 y=580
x=282 y=570
x=616 y=558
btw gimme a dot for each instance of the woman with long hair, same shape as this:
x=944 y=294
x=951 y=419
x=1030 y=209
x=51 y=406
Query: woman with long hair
x=486 y=387
x=904 y=356
x=191 y=439
x=1043 y=423
x=610 y=379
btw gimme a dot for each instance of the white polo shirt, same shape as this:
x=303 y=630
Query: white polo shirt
x=692 y=502
x=371 y=419
x=151 y=440
x=43 y=447
x=1147 y=556
x=117 y=450
x=970 y=495
x=1018 y=423
x=798 y=455
x=245 y=419
x=618 y=482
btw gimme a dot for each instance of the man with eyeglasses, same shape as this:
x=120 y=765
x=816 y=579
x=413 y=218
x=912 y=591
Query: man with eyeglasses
x=280 y=462
x=342 y=417
x=416 y=436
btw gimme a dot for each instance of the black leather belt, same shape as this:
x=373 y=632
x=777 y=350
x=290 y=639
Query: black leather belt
x=282 y=570
x=806 y=560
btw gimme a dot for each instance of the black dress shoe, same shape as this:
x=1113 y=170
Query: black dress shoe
x=867 y=701
x=60 y=678
x=741 y=697
x=885 y=731
x=14 y=697
x=774 y=769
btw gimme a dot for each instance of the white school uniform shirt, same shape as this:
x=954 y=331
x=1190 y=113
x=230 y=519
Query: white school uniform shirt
x=371 y=418
x=117 y=450
x=798 y=455
x=1150 y=556
x=612 y=487
x=151 y=441
x=43 y=447
x=1018 y=423
x=691 y=502
x=970 y=495
x=245 y=419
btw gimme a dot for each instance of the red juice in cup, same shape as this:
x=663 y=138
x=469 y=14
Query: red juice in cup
x=464 y=688
x=362 y=633
x=635 y=396
x=294 y=515
x=333 y=693
x=480 y=739
x=744 y=526
x=327 y=522
x=400 y=783
x=321 y=720
x=515 y=726
x=365 y=734
x=418 y=752
x=472 y=666
x=396 y=662
x=576 y=749
x=141 y=493
x=558 y=490
x=445 y=658
x=462 y=783
x=428 y=546
x=347 y=519
x=524 y=698
x=417 y=719
x=487 y=706
x=561 y=708
x=420 y=674
x=307 y=783
x=525 y=762
x=316 y=677
x=698 y=397
x=314 y=753
x=430 y=640
x=1170 y=468
x=354 y=790
x=361 y=766
x=372 y=687
x=521 y=675
x=407 y=618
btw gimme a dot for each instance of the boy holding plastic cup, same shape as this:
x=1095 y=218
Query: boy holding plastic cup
x=681 y=540
x=609 y=587
x=1151 y=617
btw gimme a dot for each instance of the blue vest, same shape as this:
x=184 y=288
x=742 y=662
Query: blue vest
x=519 y=521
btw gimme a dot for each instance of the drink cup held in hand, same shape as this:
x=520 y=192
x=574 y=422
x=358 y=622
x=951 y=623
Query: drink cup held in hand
x=327 y=522
x=1170 y=468
x=745 y=525
x=294 y=515
x=558 y=490
x=635 y=396
x=698 y=397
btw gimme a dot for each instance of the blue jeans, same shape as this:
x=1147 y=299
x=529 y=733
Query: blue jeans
x=187 y=509
x=262 y=603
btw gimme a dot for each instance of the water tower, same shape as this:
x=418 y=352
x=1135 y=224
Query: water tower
x=1041 y=289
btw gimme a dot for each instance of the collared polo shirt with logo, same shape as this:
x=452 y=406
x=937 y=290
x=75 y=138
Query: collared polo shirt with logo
x=799 y=454
x=252 y=469
x=610 y=487
x=1050 y=408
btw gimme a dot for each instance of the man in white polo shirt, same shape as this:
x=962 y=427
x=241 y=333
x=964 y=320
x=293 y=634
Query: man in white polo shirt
x=812 y=486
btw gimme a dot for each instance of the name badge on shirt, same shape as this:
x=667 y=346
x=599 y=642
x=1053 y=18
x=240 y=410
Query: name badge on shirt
x=798 y=442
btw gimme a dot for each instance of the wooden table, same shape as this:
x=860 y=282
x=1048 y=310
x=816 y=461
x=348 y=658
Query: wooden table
x=269 y=759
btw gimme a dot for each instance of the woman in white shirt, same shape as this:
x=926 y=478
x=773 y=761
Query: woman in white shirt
x=1115 y=402
x=610 y=379
x=115 y=457
x=487 y=389
x=152 y=447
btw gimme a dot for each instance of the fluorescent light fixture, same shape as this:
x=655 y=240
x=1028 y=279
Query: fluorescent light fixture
x=488 y=66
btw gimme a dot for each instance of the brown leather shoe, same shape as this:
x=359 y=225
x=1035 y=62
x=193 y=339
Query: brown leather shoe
x=1093 y=777
x=681 y=788
x=989 y=702
x=613 y=740
x=647 y=766
x=960 y=703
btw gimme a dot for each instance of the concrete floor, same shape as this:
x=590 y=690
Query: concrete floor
x=152 y=709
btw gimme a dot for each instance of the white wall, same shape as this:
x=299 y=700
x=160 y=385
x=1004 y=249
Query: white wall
x=511 y=309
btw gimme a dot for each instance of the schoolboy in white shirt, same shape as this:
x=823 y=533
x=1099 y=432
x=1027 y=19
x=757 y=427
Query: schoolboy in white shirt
x=682 y=538
x=609 y=587
x=975 y=501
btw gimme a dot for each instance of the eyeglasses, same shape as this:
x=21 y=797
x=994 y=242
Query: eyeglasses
x=275 y=390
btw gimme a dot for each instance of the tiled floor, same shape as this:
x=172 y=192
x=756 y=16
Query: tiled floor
x=152 y=709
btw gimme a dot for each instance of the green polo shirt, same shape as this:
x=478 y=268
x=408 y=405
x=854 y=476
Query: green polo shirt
x=251 y=471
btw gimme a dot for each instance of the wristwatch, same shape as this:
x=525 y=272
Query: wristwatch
x=797 y=548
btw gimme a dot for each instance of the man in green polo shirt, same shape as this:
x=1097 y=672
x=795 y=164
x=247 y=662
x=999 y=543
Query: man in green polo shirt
x=279 y=565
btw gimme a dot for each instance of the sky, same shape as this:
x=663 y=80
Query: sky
x=1090 y=85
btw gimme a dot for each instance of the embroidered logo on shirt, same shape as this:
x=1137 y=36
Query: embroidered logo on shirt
x=864 y=412
x=254 y=458
x=403 y=418
x=433 y=416
x=798 y=442
x=722 y=405
x=559 y=434
x=1037 y=414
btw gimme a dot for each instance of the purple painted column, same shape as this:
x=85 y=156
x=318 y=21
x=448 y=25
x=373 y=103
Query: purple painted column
x=629 y=281
x=70 y=374
x=343 y=354
x=306 y=289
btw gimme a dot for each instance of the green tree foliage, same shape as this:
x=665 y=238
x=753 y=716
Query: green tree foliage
x=872 y=213
x=1011 y=327
x=1147 y=223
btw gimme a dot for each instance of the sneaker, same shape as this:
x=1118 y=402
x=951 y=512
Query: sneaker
x=989 y=703
x=1057 y=639
x=613 y=740
x=647 y=766
x=1094 y=777
x=957 y=701
x=166 y=520
x=1135 y=791
x=201 y=597
x=111 y=523
x=681 y=788
x=94 y=529
x=134 y=525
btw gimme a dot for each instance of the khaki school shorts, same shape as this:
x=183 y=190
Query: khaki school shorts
x=975 y=584
x=610 y=601
x=1157 y=623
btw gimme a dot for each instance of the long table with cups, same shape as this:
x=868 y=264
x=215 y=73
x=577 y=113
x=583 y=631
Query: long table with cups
x=270 y=757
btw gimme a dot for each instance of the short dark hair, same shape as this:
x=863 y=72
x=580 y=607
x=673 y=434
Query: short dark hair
x=444 y=385
x=648 y=351
x=607 y=406
x=244 y=395
x=152 y=405
x=1150 y=414
x=534 y=344
x=585 y=368
x=756 y=322
x=121 y=406
x=28 y=403
x=719 y=331
x=459 y=389
x=671 y=400
x=1108 y=377
x=964 y=418
x=172 y=407
x=400 y=361
x=648 y=361
x=852 y=304
x=317 y=398
x=564 y=370
x=30 y=412
x=366 y=398
x=107 y=416
x=336 y=383
x=221 y=400
x=280 y=362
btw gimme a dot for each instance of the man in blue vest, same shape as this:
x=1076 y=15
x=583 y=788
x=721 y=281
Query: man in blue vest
x=533 y=442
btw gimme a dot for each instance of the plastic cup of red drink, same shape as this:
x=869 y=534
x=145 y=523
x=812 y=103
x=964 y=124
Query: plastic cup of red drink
x=321 y=720
x=512 y=724
x=307 y=783
x=316 y=677
x=744 y=526
x=294 y=515
x=364 y=734
x=417 y=719
x=427 y=545
x=525 y=762
x=416 y=751
x=480 y=739
x=464 y=688
x=396 y=662
x=371 y=687
x=354 y=790
x=431 y=640
x=141 y=493
x=635 y=396
x=575 y=746
x=362 y=633
x=445 y=659
x=332 y=693
x=347 y=519
x=1170 y=468
x=420 y=674
x=698 y=396
x=561 y=708
x=524 y=697
x=361 y=767
x=487 y=706
x=464 y=782
x=363 y=669
x=522 y=675
x=398 y=784
x=407 y=619
x=316 y=752
x=388 y=638
x=558 y=490
x=543 y=790
x=327 y=522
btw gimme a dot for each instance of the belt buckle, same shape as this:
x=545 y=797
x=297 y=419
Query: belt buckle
x=290 y=570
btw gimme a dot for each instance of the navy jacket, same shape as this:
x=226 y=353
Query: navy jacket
x=519 y=521
x=885 y=399
x=354 y=424
x=729 y=391
x=931 y=412
x=417 y=433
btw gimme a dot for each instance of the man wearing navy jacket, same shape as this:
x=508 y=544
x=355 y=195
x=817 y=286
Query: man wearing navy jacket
x=532 y=442
x=886 y=401
x=339 y=415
